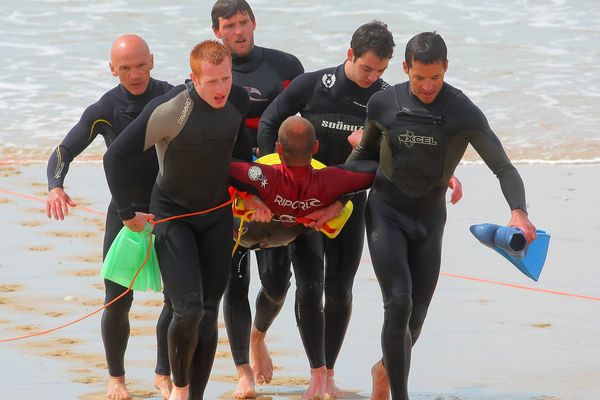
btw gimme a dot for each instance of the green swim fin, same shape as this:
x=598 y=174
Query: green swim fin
x=126 y=255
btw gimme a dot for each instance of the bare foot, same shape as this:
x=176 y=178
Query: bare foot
x=332 y=390
x=260 y=360
x=164 y=385
x=245 y=389
x=180 y=393
x=381 y=385
x=117 y=388
x=318 y=385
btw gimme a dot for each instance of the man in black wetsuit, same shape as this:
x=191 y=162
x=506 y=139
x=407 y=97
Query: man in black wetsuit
x=131 y=61
x=264 y=73
x=419 y=131
x=195 y=128
x=334 y=100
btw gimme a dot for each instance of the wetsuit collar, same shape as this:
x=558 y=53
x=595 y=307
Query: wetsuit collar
x=248 y=63
x=130 y=96
x=344 y=78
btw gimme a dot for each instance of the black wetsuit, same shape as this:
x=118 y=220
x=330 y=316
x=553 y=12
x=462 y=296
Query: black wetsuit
x=108 y=118
x=194 y=143
x=264 y=73
x=336 y=106
x=418 y=146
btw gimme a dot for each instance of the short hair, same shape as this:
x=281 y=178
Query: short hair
x=228 y=8
x=210 y=51
x=297 y=138
x=373 y=36
x=426 y=48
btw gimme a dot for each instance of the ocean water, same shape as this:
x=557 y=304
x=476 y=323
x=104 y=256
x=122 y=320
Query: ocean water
x=530 y=65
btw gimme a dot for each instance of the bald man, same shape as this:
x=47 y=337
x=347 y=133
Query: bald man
x=131 y=62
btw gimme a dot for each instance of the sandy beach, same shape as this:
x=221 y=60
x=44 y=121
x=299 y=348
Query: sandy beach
x=491 y=332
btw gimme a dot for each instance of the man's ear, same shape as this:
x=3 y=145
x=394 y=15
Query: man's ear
x=315 y=147
x=350 y=55
x=113 y=71
x=405 y=67
x=279 y=149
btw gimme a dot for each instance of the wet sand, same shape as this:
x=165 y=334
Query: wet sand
x=481 y=341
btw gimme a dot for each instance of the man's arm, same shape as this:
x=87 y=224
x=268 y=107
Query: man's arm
x=131 y=142
x=77 y=140
x=489 y=147
x=286 y=104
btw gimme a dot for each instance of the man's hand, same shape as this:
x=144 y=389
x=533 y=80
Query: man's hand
x=138 y=223
x=58 y=203
x=320 y=217
x=262 y=213
x=519 y=219
x=456 y=187
x=355 y=137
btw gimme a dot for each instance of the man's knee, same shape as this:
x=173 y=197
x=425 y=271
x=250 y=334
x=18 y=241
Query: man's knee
x=309 y=292
x=119 y=307
x=337 y=296
x=398 y=308
x=275 y=293
x=210 y=316
x=188 y=309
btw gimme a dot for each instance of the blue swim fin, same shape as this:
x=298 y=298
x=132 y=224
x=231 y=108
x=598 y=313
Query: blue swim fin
x=511 y=244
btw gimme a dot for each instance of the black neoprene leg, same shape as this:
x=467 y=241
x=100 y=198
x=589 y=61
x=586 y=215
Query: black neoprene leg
x=236 y=308
x=274 y=271
x=162 y=345
x=307 y=259
x=342 y=258
x=114 y=324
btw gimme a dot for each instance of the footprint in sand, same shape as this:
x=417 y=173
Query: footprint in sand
x=59 y=353
x=39 y=248
x=92 y=303
x=84 y=272
x=95 y=259
x=86 y=380
x=31 y=224
x=27 y=328
x=9 y=287
x=542 y=325
x=64 y=234
x=154 y=303
x=4 y=300
x=54 y=314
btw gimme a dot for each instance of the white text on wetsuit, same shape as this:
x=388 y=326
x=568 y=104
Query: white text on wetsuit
x=340 y=126
x=186 y=108
x=301 y=204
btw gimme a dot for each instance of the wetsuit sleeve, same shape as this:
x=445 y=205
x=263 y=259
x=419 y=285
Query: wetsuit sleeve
x=77 y=140
x=491 y=151
x=287 y=103
x=368 y=148
x=131 y=142
x=242 y=148
x=489 y=147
